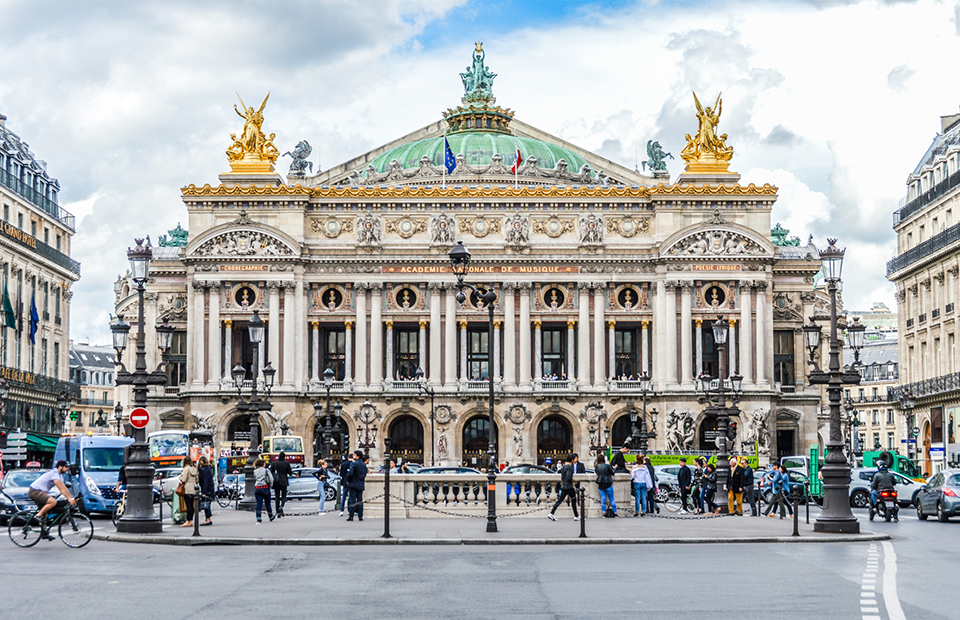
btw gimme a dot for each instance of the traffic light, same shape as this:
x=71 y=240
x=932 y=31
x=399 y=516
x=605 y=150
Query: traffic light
x=3 y=440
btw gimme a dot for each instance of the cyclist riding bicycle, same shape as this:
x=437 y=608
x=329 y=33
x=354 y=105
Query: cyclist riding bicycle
x=40 y=491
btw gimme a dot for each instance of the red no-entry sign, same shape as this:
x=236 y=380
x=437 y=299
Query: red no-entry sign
x=139 y=417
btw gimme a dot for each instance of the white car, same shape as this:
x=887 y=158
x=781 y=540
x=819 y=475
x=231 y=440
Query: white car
x=861 y=477
x=166 y=480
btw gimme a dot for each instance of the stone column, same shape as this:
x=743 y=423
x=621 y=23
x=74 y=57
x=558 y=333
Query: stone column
x=315 y=347
x=583 y=337
x=216 y=353
x=645 y=347
x=599 y=350
x=495 y=371
x=422 y=347
x=746 y=332
x=227 y=350
x=699 y=347
x=288 y=370
x=389 y=357
x=525 y=364
x=670 y=316
x=571 y=344
x=537 y=351
x=686 y=340
x=509 y=337
x=732 y=348
x=450 y=339
x=273 y=328
x=300 y=335
x=348 y=352
x=464 y=375
x=612 y=348
x=199 y=295
x=361 y=348
x=376 y=336
x=660 y=322
x=435 y=371
x=762 y=327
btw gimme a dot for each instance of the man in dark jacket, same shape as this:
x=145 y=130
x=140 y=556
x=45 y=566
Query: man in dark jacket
x=605 y=486
x=344 y=469
x=735 y=489
x=281 y=472
x=685 y=480
x=652 y=491
x=356 y=478
x=749 y=491
x=619 y=462
x=566 y=488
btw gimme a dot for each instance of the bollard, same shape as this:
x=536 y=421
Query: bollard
x=196 y=514
x=796 y=512
x=808 y=509
x=386 y=487
x=583 y=512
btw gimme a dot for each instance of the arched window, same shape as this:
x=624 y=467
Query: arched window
x=338 y=445
x=406 y=439
x=476 y=439
x=554 y=439
x=239 y=430
x=620 y=431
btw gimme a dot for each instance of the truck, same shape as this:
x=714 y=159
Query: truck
x=95 y=467
x=895 y=462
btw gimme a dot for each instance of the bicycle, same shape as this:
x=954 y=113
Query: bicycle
x=73 y=527
x=119 y=508
x=229 y=494
x=668 y=497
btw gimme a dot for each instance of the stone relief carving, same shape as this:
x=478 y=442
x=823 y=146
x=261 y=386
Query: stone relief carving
x=593 y=412
x=442 y=229
x=553 y=226
x=517 y=230
x=443 y=414
x=681 y=428
x=786 y=307
x=628 y=226
x=518 y=441
x=591 y=229
x=716 y=242
x=757 y=431
x=331 y=227
x=244 y=243
x=368 y=229
x=480 y=226
x=442 y=444
x=406 y=226
x=173 y=307
x=518 y=414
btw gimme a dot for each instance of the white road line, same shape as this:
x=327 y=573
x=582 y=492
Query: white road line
x=890 y=599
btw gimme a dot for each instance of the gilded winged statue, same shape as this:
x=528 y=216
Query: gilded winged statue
x=707 y=146
x=252 y=144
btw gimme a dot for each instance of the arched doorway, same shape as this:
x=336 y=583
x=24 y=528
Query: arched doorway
x=406 y=439
x=238 y=431
x=620 y=431
x=708 y=434
x=476 y=440
x=338 y=446
x=554 y=439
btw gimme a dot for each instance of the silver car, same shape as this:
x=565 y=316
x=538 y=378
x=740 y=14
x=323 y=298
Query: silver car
x=940 y=496
x=861 y=477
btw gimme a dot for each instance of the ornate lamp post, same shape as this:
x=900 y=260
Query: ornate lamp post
x=253 y=405
x=63 y=407
x=836 y=515
x=460 y=261
x=118 y=416
x=423 y=388
x=331 y=419
x=101 y=420
x=907 y=403
x=139 y=516
x=646 y=386
x=854 y=423
x=596 y=447
x=717 y=404
x=4 y=391
x=368 y=415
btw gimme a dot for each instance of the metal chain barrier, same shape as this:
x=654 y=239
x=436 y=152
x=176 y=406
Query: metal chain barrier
x=689 y=517
x=467 y=516
x=316 y=514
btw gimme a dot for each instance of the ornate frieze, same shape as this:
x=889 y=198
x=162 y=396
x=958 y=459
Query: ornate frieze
x=480 y=226
x=716 y=243
x=368 y=230
x=786 y=307
x=591 y=229
x=517 y=230
x=406 y=226
x=553 y=226
x=442 y=229
x=628 y=226
x=244 y=243
x=331 y=227
x=518 y=414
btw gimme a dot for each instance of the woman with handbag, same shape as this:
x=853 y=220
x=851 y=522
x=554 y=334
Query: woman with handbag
x=322 y=477
x=187 y=489
x=263 y=480
x=207 y=488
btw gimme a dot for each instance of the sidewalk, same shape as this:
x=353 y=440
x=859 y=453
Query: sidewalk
x=301 y=527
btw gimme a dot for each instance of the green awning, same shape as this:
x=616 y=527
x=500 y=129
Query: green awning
x=41 y=443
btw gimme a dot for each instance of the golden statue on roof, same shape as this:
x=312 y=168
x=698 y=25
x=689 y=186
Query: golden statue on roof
x=707 y=151
x=252 y=151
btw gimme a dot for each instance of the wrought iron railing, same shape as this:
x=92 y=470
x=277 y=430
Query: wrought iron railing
x=935 y=192
x=935 y=313
x=922 y=318
x=95 y=401
x=13 y=183
x=927 y=387
x=922 y=250
x=909 y=322
x=948 y=308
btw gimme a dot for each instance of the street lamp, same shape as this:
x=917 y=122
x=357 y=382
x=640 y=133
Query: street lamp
x=460 y=261
x=63 y=406
x=331 y=421
x=101 y=420
x=139 y=516
x=717 y=403
x=854 y=423
x=253 y=405
x=4 y=391
x=836 y=515
x=907 y=403
x=318 y=410
x=368 y=415
x=118 y=416
x=646 y=386
x=423 y=388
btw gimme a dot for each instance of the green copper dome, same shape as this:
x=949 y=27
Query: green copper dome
x=478 y=148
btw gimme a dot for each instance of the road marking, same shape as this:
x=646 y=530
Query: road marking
x=868 y=603
x=890 y=599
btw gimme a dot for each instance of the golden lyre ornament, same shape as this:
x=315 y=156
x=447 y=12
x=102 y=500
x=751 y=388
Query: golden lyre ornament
x=707 y=151
x=252 y=151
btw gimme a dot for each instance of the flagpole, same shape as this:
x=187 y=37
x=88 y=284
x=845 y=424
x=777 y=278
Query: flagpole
x=443 y=159
x=516 y=167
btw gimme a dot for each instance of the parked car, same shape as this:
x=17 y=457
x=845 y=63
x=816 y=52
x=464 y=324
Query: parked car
x=166 y=480
x=940 y=496
x=862 y=477
x=527 y=469
x=449 y=470
x=303 y=484
x=13 y=491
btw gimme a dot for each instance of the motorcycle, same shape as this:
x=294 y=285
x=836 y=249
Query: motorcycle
x=887 y=505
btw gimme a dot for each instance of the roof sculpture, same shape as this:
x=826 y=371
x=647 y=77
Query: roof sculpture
x=252 y=151
x=707 y=151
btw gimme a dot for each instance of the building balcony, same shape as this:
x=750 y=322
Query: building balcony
x=909 y=322
x=922 y=318
x=948 y=308
x=922 y=250
x=937 y=191
x=935 y=313
x=928 y=387
x=95 y=401
x=36 y=198
x=541 y=385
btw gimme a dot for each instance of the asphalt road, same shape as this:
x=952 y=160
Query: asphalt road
x=838 y=580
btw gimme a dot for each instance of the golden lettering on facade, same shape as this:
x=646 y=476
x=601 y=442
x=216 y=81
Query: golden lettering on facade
x=483 y=269
x=243 y=268
x=716 y=267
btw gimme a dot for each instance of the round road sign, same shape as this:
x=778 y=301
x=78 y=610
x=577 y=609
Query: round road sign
x=916 y=431
x=139 y=417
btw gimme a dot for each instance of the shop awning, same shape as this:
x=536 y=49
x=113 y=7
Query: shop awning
x=41 y=443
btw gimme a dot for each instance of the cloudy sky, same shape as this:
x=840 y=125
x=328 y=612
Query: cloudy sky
x=833 y=101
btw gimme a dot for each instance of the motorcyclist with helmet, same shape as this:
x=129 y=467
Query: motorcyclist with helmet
x=882 y=481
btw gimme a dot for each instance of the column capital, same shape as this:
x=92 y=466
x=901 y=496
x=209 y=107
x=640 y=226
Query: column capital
x=571 y=323
x=376 y=287
x=348 y=325
x=463 y=324
x=611 y=323
x=228 y=323
x=435 y=287
x=598 y=287
x=699 y=323
x=536 y=324
x=423 y=324
x=760 y=285
x=644 y=324
x=273 y=285
x=685 y=284
x=315 y=324
x=524 y=286
x=200 y=286
x=389 y=324
x=496 y=324
x=583 y=287
x=288 y=285
x=733 y=322
x=508 y=287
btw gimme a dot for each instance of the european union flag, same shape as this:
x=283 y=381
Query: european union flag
x=449 y=161
x=34 y=320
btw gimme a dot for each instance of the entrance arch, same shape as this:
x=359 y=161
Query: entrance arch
x=620 y=431
x=554 y=439
x=476 y=440
x=707 y=436
x=238 y=431
x=338 y=446
x=406 y=439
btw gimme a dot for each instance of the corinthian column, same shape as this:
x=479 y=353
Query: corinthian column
x=422 y=347
x=571 y=344
x=699 y=347
x=495 y=376
x=361 y=352
x=746 y=332
x=315 y=348
x=213 y=373
x=273 y=325
x=660 y=325
x=227 y=350
x=289 y=326
x=686 y=342
x=583 y=347
x=732 y=347
x=199 y=300
x=762 y=327
x=538 y=352
x=376 y=336
x=450 y=339
x=509 y=337
x=670 y=316
x=525 y=336
x=348 y=352
x=435 y=372
x=389 y=356
x=612 y=348
x=599 y=350
x=464 y=373
x=645 y=346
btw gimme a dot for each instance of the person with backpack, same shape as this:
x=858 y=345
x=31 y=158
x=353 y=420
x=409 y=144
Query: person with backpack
x=608 y=505
x=566 y=488
x=263 y=480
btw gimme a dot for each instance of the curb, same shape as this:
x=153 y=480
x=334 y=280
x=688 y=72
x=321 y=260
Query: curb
x=190 y=541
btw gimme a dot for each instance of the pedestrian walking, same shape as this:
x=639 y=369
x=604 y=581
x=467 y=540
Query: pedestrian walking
x=344 y=469
x=281 y=470
x=640 y=478
x=567 y=488
x=608 y=505
x=188 y=478
x=322 y=477
x=619 y=461
x=749 y=490
x=735 y=488
x=776 y=479
x=699 y=488
x=262 y=481
x=710 y=488
x=653 y=488
x=207 y=489
x=356 y=481
x=685 y=481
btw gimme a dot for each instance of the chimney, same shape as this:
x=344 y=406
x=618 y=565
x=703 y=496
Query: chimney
x=3 y=120
x=946 y=122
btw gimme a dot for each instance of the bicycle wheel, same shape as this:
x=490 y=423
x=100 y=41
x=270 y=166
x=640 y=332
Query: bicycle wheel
x=224 y=498
x=671 y=501
x=118 y=511
x=76 y=530
x=24 y=529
